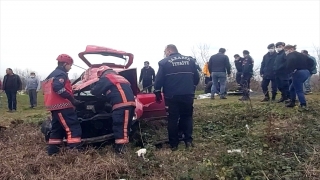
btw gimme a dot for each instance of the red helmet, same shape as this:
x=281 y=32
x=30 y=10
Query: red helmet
x=65 y=58
x=102 y=69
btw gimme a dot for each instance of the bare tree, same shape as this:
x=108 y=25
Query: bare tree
x=201 y=54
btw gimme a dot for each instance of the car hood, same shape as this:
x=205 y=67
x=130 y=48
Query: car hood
x=89 y=77
x=104 y=51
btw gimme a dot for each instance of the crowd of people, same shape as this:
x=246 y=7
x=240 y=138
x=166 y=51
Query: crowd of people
x=288 y=71
x=12 y=84
x=175 y=83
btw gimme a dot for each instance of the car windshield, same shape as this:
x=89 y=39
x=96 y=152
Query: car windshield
x=99 y=59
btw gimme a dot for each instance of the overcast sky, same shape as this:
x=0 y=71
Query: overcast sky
x=34 y=33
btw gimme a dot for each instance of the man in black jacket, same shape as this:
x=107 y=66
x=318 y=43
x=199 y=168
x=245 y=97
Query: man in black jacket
x=177 y=76
x=11 y=85
x=268 y=74
x=219 y=67
x=238 y=63
x=247 y=73
x=147 y=76
x=282 y=77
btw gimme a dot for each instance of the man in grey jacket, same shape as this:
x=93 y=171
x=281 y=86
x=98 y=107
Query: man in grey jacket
x=32 y=87
x=306 y=84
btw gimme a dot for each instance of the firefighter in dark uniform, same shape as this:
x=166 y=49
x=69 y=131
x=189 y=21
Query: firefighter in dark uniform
x=117 y=90
x=59 y=99
x=238 y=63
x=247 y=73
x=177 y=76
x=282 y=77
x=267 y=73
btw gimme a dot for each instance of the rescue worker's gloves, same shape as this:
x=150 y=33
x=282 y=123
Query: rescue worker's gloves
x=75 y=102
x=158 y=96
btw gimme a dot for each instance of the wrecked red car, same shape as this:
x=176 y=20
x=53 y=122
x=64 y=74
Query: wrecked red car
x=94 y=113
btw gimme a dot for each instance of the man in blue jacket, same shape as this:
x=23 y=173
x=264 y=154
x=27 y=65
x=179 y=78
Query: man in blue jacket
x=282 y=77
x=238 y=63
x=307 y=85
x=247 y=73
x=268 y=74
x=178 y=77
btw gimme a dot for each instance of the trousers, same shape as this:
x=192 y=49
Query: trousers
x=283 y=86
x=180 y=112
x=122 y=119
x=147 y=83
x=12 y=99
x=264 y=85
x=296 y=87
x=64 y=124
x=32 y=97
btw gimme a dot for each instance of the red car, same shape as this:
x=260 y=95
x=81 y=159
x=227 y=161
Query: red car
x=94 y=113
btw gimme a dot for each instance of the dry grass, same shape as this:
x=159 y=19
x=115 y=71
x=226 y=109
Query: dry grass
x=219 y=126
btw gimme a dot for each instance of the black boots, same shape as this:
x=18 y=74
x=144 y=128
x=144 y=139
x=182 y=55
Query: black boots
x=267 y=97
x=53 y=149
x=119 y=148
x=291 y=103
x=244 y=98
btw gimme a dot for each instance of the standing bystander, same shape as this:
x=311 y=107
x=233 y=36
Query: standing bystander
x=32 y=88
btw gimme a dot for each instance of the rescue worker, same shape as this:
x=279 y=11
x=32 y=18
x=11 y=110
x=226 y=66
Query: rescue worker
x=117 y=90
x=177 y=76
x=299 y=66
x=247 y=73
x=267 y=74
x=282 y=77
x=147 y=76
x=59 y=99
x=238 y=63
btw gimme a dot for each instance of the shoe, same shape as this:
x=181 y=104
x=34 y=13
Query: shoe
x=212 y=96
x=306 y=93
x=303 y=108
x=266 y=99
x=223 y=97
x=291 y=104
x=244 y=98
x=119 y=148
x=282 y=100
x=53 y=150
x=175 y=148
x=287 y=101
x=10 y=111
x=189 y=145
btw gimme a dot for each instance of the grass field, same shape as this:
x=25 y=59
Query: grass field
x=275 y=143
